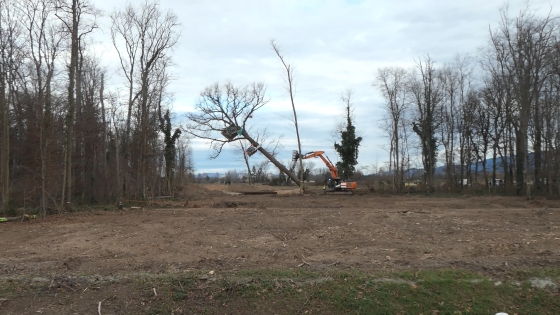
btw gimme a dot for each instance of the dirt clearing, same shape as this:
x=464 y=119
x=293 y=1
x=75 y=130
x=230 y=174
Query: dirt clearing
x=219 y=232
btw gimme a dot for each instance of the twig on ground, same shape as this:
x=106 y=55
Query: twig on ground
x=303 y=264
x=155 y=293
x=99 y=304
x=68 y=287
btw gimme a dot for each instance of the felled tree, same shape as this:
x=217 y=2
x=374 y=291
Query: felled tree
x=221 y=116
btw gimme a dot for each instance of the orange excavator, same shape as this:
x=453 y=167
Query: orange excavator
x=334 y=183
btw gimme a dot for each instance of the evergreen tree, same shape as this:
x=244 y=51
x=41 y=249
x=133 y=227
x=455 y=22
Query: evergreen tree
x=348 y=148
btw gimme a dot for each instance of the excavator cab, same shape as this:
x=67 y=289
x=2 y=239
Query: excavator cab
x=333 y=182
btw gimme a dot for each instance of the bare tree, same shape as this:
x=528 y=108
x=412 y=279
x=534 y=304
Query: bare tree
x=497 y=93
x=126 y=40
x=147 y=34
x=426 y=93
x=392 y=84
x=115 y=138
x=261 y=171
x=43 y=44
x=159 y=35
x=226 y=110
x=523 y=46
x=483 y=128
x=185 y=164
x=290 y=87
x=494 y=96
x=74 y=17
x=241 y=149
x=5 y=136
x=104 y=133
x=551 y=123
x=10 y=34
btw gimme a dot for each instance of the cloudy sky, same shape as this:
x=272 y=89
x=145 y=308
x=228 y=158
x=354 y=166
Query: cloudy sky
x=333 y=45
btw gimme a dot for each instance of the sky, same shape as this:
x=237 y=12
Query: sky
x=334 y=46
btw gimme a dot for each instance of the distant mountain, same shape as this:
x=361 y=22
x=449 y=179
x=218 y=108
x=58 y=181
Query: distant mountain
x=209 y=175
x=489 y=164
x=440 y=170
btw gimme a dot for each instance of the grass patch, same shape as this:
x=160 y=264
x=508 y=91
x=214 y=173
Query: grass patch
x=291 y=292
x=424 y=292
x=307 y=292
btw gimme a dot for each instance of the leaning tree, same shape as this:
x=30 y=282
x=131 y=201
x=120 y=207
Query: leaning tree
x=222 y=115
x=263 y=137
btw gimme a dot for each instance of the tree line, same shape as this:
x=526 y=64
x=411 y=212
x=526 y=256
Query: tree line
x=64 y=139
x=503 y=105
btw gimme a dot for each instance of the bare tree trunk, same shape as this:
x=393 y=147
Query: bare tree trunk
x=104 y=131
x=43 y=149
x=246 y=160
x=80 y=143
x=143 y=133
x=5 y=140
x=273 y=159
x=297 y=134
x=290 y=81
x=537 y=145
x=121 y=28
x=119 y=190
x=67 y=185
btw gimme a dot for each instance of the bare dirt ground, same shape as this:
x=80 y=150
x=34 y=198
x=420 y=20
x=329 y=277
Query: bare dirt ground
x=230 y=232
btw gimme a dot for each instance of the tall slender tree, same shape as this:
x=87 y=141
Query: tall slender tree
x=392 y=84
x=426 y=94
x=73 y=15
x=348 y=147
x=290 y=88
x=7 y=32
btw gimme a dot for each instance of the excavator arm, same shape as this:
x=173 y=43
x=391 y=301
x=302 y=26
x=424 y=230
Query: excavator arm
x=326 y=160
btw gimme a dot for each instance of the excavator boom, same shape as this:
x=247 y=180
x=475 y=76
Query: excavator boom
x=326 y=160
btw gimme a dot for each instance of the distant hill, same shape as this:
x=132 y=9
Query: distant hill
x=209 y=175
x=440 y=170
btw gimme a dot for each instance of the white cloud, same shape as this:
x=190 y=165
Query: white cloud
x=333 y=45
